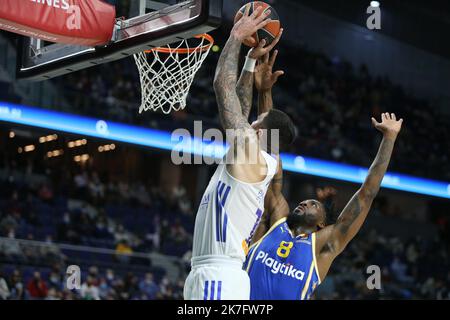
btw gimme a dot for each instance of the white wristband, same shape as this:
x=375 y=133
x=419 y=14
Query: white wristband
x=250 y=64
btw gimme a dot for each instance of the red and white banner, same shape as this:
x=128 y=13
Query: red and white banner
x=80 y=22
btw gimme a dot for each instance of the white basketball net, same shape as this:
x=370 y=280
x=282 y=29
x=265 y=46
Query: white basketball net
x=167 y=74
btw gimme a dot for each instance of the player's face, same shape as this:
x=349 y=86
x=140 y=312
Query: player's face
x=310 y=213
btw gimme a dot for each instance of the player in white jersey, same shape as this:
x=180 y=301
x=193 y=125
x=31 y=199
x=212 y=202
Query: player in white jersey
x=233 y=202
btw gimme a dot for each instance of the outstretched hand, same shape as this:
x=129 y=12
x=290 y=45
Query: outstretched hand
x=261 y=50
x=265 y=78
x=250 y=23
x=389 y=125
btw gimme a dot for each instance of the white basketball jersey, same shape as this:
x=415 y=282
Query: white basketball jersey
x=230 y=212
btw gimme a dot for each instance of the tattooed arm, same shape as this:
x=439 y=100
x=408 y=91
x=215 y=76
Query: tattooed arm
x=225 y=86
x=245 y=92
x=244 y=160
x=230 y=109
x=332 y=240
x=245 y=84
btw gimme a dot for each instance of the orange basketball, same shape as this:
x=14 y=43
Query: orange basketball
x=269 y=32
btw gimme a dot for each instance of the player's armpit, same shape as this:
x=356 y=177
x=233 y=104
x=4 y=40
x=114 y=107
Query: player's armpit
x=325 y=251
x=245 y=160
x=334 y=238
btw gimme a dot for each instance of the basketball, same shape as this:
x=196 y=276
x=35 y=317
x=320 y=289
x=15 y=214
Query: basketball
x=269 y=32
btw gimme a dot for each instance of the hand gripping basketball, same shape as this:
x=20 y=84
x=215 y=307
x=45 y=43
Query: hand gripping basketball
x=261 y=50
x=269 y=31
x=249 y=24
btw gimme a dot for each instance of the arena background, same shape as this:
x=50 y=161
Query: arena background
x=125 y=214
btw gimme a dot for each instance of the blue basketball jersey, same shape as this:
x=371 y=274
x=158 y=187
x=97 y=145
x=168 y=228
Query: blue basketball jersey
x=281 y=266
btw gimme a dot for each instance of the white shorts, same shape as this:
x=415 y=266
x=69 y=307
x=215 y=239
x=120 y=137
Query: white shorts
x=217 y=278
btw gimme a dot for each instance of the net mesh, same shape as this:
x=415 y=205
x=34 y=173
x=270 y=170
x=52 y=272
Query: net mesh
x=167 y=73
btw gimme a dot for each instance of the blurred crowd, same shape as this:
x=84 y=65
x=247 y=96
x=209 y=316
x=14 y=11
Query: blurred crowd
x=80 y=208
x=330 y=100
x=414 y=269
x=97 y=285
x=41 y=211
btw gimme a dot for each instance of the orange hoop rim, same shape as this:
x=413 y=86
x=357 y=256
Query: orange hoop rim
x=203 y=48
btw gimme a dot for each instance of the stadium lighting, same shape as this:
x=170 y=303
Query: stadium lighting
x=48 y=138
x=374 y=4
x=81 y=158
x=77 y=143
x=29 y=148
x=107 y=147
x=55 y=153
x=162 y=140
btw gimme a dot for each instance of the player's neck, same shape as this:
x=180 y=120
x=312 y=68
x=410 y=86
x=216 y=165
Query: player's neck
x=302 y=230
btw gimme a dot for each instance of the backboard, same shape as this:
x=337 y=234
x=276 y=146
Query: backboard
x=153 y=23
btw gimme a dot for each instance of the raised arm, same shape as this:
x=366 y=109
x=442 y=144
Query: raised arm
x=225 y=81
x=332 y=240
x=244 y=90
x=245 y=84
x=265 y=79
x=275 y=204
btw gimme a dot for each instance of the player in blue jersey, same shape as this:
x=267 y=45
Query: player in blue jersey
x=292 y=251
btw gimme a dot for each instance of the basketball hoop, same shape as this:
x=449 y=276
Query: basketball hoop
x=167 y=73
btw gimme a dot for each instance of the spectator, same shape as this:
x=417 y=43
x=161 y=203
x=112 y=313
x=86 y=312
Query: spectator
x=37 y=288
x=53 y=294
x=8 y=224
x=123 y=251
x=11 y=248
x=46 y=193
x=17 y=291
x=149 y=287
x=89 y=290
x=4 y=290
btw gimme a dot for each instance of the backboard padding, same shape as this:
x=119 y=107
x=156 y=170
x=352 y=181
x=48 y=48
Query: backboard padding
x=170 y=24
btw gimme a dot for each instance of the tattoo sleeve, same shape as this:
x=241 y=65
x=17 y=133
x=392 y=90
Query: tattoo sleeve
x=355 y=213
x=265 y=101
x=245 y=92
x=230 y=109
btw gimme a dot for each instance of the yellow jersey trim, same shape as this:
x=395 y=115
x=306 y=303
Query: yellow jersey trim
x=308 y=280
x=250 y=261
x=313 y=242
x=276 y=224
